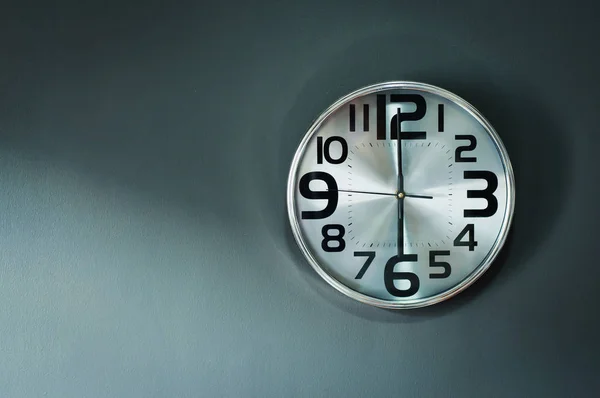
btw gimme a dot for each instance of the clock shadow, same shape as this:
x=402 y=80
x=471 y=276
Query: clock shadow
x=521 y=113
x=541 y=157
x=346 y=304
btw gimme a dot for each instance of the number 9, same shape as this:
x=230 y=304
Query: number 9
x=330 y=194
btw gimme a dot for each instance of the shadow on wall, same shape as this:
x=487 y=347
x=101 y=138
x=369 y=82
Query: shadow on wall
x=123 y=117
x=532 y=135
x=152 y=133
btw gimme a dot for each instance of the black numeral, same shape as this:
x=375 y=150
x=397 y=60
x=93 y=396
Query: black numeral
x=370 y=257
x=441 y=118
x=418 y=114
x=366 y=117
x=352 y=117
x=390 y=275
x=330 y=194
x=338 y=237
x=381 y=117
x=469 y=230
x=433 y=263
x=487 y=193
x=459 y=150
x=324 y=150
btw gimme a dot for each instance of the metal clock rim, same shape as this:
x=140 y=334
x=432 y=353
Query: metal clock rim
x=478 y=271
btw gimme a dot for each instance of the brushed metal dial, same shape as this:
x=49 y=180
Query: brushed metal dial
x=400 y=195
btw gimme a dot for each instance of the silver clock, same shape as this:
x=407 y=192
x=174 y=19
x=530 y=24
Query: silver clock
x=400 y=195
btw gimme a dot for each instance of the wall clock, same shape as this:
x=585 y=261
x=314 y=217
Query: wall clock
x=401 y=195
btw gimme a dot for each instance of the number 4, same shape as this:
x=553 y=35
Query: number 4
x=469 y=230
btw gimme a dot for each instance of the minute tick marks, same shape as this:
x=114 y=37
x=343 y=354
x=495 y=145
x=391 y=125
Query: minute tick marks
x=422 y=133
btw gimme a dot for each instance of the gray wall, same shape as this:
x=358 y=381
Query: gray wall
x=144 y=245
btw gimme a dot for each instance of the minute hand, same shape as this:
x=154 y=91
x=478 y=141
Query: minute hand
x=400 y=187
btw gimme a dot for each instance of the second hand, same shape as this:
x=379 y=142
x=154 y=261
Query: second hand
x=365 y=192
x=406 y=195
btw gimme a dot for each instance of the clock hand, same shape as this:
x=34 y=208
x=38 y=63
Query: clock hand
x=409 y=195
x=406 y=195
x=400 y=190
x=365 y=192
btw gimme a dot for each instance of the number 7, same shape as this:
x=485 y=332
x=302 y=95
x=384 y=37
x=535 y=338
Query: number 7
x=370 y=257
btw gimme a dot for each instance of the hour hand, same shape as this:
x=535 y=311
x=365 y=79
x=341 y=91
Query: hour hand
x=411 y=195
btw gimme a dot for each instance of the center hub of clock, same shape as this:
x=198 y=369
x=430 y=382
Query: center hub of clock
x=400 y=195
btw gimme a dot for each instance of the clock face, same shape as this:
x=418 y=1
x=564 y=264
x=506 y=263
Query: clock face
x=400 y=195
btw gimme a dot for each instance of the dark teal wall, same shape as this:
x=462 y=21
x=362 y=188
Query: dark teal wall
x=144 y=244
